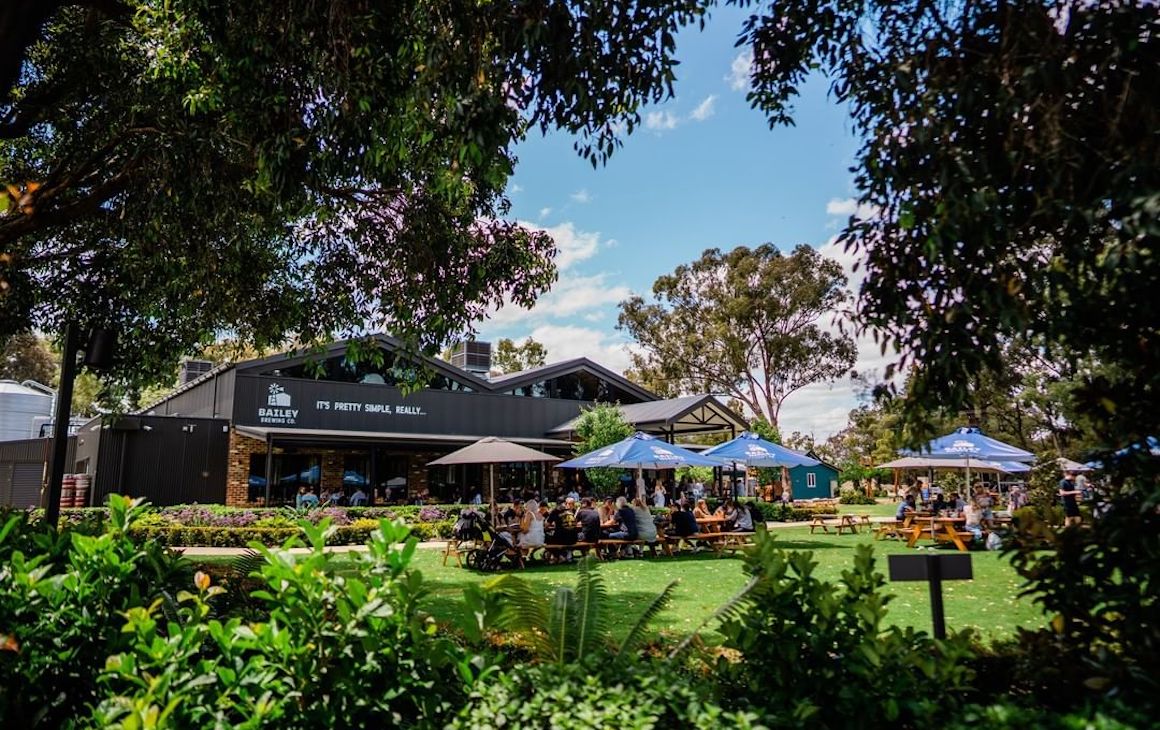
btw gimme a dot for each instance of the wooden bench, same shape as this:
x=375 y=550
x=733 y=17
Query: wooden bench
x=584 y=548
x=735 y=541
x=454 y=549
x=961 y=538
x=893 y=529
x=842 y=523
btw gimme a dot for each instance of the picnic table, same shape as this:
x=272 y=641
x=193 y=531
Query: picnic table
x=713 y=523
x=940 y=529
x=844 y=522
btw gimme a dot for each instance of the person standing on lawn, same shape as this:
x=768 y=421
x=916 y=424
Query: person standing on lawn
x=1069 y=494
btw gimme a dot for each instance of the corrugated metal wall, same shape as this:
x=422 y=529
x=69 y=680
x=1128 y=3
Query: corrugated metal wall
x=164 y=459
x=22 y=469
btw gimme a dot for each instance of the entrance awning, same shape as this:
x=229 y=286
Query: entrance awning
x=335 y=436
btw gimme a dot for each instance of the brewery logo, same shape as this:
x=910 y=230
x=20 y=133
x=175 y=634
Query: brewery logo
x=278 y=410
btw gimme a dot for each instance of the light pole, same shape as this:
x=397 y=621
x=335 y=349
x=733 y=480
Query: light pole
x=98 y=356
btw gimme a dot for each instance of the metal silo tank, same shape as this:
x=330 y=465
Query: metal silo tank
x=20 y=405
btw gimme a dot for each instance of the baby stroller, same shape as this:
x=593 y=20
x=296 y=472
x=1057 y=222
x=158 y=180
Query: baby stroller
x=497 y=546
x=467 y=527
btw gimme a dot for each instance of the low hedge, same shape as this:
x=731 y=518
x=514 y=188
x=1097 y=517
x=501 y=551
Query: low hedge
x=356 y=533
x=856 y=498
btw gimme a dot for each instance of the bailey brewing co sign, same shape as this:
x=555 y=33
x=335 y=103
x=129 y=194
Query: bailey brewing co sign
x=278 y=406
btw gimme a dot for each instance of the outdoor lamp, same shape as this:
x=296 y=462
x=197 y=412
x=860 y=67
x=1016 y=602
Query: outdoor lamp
x=100 y=348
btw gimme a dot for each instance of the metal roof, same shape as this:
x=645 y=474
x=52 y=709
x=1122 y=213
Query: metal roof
x=688 y=414
x=552 y=370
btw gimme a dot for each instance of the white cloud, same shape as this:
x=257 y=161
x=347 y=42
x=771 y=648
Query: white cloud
x=570 y=296
x=573 y=295
x=849 y=207
x=564 y=342
x=517 y=188
x=572 y=245
x=545 y=212
x=581 y=196
x=740 y=70
x=661 y=121
x=705 y=109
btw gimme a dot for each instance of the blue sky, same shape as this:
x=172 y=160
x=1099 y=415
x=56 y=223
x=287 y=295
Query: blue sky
x=703 y=171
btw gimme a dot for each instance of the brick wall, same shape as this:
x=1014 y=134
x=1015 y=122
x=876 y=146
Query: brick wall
x=238 y=468
x=333 y=472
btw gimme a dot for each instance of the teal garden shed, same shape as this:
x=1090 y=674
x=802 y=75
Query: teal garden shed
x=814 y=482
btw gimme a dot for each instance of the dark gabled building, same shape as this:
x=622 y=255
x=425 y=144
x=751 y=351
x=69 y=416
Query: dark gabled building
x=330 y=423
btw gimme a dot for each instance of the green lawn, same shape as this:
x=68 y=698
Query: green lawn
x=988 y=603
x=884 y=508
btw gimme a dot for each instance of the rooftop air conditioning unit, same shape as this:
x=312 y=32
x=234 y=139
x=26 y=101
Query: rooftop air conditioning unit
x=473 y=356
x=191 y=370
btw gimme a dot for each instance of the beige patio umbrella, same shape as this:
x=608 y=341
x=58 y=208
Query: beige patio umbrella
x=492 y=451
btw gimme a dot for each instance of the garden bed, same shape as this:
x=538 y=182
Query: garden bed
x=220 y=526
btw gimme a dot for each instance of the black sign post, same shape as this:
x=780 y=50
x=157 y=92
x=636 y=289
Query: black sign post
x=934 y=569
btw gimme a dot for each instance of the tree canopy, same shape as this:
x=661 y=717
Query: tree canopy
x=600 y=425
x=182 y=169
x=1011 y=158
x=746 y=323
x=508 y=357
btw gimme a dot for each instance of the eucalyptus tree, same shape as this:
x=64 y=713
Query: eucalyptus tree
x=747 y=323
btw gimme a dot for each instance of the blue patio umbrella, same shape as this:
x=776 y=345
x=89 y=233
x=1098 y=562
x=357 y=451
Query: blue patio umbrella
x=971 y=443
x=1014 y=467
x=752 y=450
x=639 y=451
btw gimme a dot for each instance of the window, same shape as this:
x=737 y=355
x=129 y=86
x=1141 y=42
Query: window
x=389 y=371
x=577 y=386
x=811 y=480
x=291 y=471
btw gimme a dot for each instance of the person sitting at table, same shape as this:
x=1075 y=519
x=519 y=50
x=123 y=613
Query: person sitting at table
x=682 y=522
x=939 y=503
x=701 y=511
x=531 y=526
x=561 y=523
x=646 y=528
x=958 y=504
x=729 y=511
x=306 y=499
x=514 y=513
x=905 y=506
x=743 y=522
x=588 y=520
x=625 y=521
x=974 y=514
x=607 y=511
x=983 y=497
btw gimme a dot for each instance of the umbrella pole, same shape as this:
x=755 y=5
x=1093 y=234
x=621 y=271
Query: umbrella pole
x=491 y=484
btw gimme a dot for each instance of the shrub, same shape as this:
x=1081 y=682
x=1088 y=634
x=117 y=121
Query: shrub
x=341 y=649
x=856 y=498
x=814 y=653
x=596 y=693
x=62 y=598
